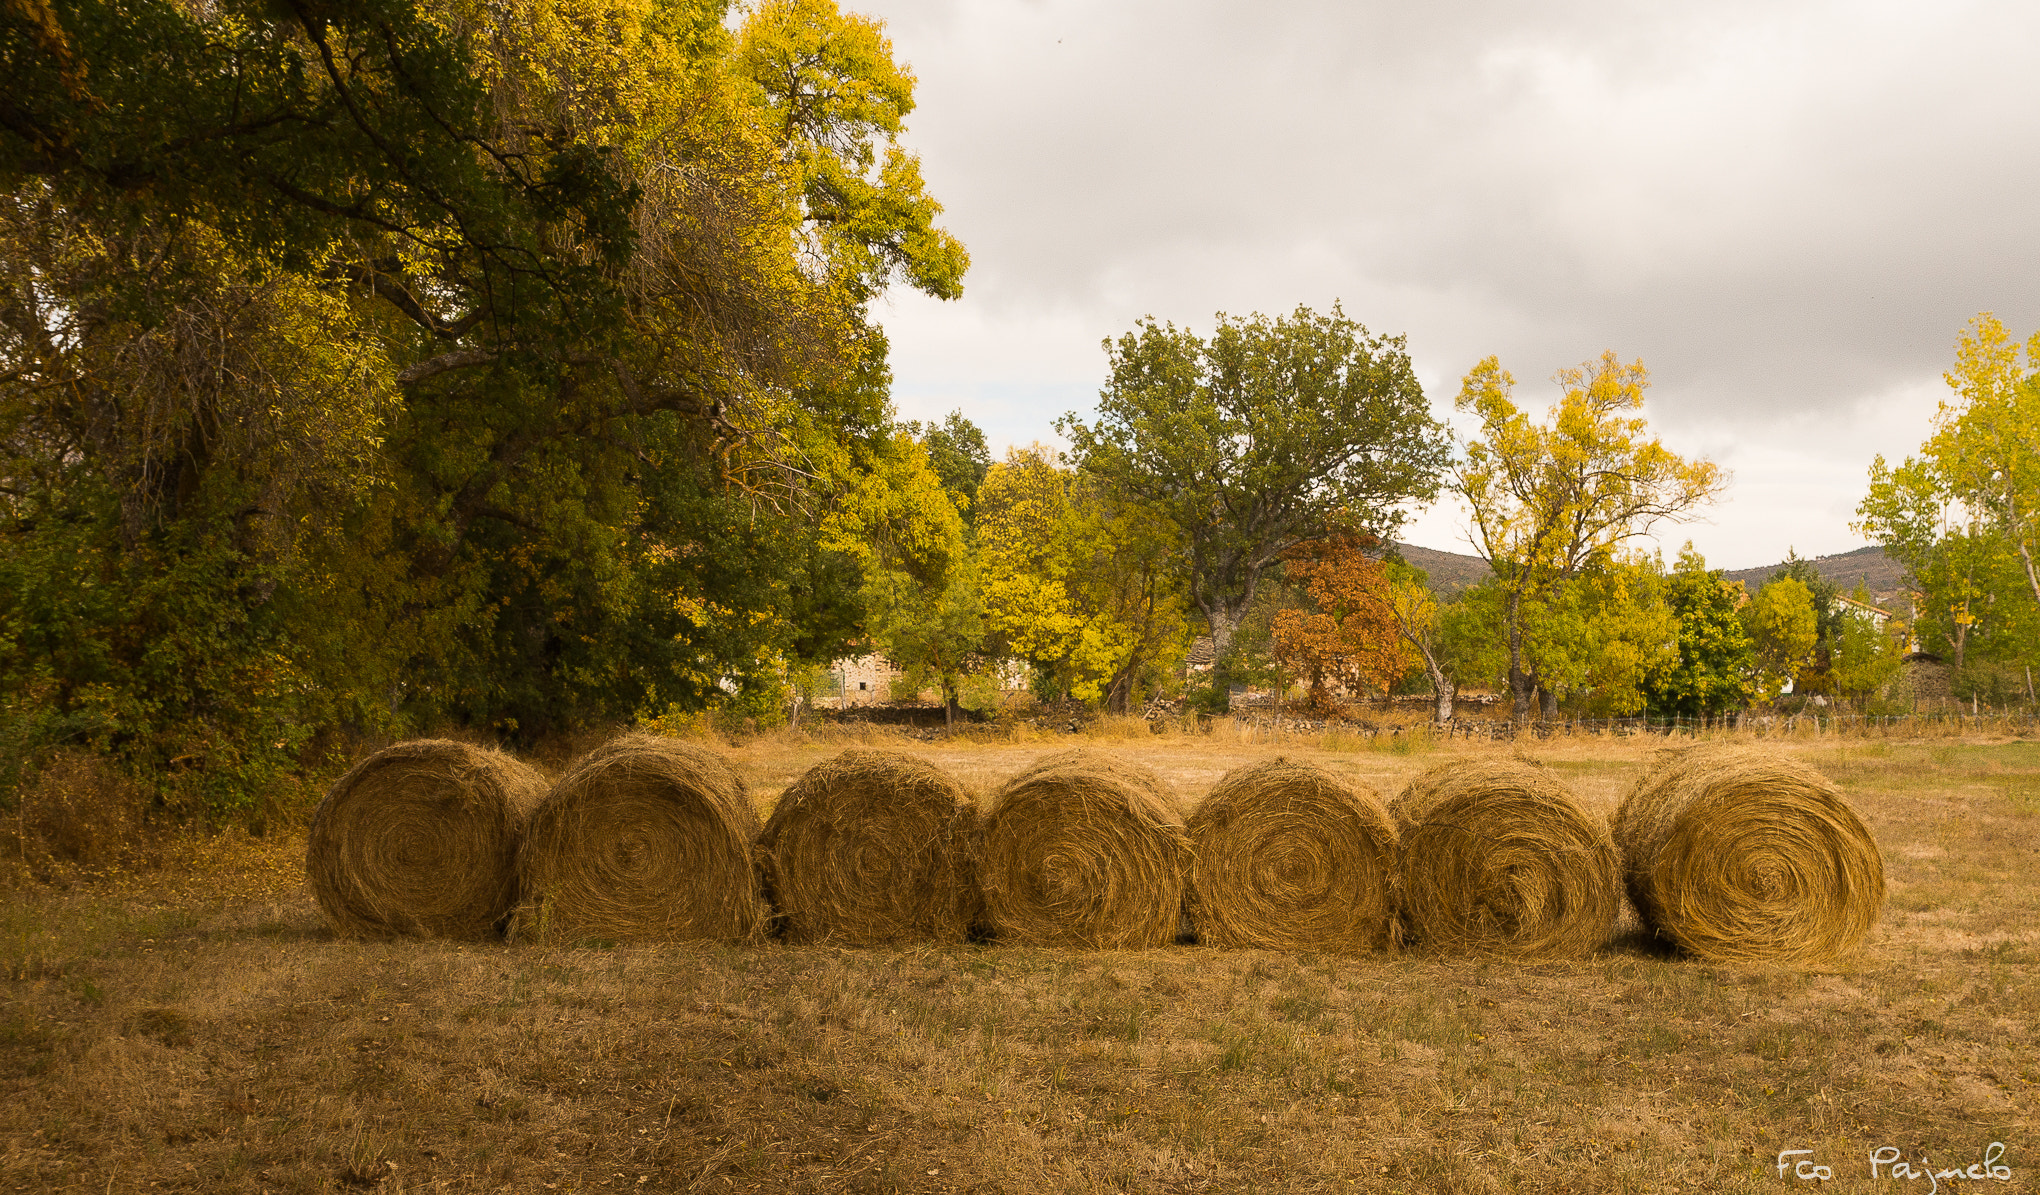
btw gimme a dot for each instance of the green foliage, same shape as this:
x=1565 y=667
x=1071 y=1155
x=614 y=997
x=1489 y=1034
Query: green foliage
x=1781 y=623
x=957 y=452
x=1866 y=656
x=921 y=592
x=1080 y=583
x=1715 y=656
x=1606 y=638
x=1473 y=638
x=395 y=364
x=1257 y=439
x=1817 y=677
x=1964 y=515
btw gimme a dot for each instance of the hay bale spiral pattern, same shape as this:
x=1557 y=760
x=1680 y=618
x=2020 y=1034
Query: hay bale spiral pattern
x=872 y=848
x=645 y=838
x=420 y=839
x=1084 y=850
x=1285 y=856
x=1500 y=856
x=1740 y=855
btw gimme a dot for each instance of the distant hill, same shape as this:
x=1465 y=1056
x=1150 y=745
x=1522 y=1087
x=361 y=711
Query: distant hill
x=1451 y=572
x=1880 y=574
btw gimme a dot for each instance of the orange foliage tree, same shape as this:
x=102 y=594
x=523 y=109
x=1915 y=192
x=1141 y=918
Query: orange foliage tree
x=1350 y=639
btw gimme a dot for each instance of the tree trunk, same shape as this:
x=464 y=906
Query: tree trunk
x=1116 y=694
x=1441 y=685
x=1520 y=682
x=1223 y=627
x=1550 y=711
x=2032 y=578
x=948 y=712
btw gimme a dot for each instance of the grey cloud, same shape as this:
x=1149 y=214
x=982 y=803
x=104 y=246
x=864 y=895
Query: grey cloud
x=1784 y=209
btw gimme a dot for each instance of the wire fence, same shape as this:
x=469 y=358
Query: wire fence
x=1940 y=724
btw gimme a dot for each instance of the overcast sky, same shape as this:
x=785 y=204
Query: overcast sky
x=1786 y=210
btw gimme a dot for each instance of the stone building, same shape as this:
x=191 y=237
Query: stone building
x=865 y=680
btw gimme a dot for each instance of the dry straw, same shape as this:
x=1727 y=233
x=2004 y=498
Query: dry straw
x=421 y=838
x=1287 y=857
x=1085 y=850
x=872 y=848
x=1737 y=854
x=1500 y=856
x=643 y=838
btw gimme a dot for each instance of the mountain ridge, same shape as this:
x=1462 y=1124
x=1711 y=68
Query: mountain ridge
x=1451 y=573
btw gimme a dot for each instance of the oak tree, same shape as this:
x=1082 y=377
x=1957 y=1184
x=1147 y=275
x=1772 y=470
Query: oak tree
x=1258 y=438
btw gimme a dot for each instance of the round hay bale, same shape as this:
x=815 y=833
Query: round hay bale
x=1286 y=856
x=643 y=838
x=1084 y=850
x=1740 y=855
x=421 y=839
x=1500 y=856
x=872 y=848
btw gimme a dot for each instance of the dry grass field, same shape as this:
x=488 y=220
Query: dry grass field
x=194 y=1028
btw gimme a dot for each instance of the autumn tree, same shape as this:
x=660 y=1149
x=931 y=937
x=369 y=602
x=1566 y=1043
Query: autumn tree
x=1350 y=638
x=1251 y=441
x=1953 y=557
x=1551 y=502
x=1414 y=610
x=1986 y=443
x=923 y=604
x=1962 y=515
x=1079 y=582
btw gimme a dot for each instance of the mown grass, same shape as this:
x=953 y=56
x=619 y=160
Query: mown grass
x=196 y=1029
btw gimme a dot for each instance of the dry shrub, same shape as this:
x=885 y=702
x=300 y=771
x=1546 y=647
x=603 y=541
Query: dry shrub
x=645 y=837
x=1085 y=850
x=1118 y=726
x=1501 y=856
x=1285 y=856
x=1737 y=854
x=872 y=848
x=421 y=839
x=77 y=814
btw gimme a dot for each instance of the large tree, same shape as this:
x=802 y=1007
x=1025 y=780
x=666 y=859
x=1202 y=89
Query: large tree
x=1782 y=627
x=1715 y=658
x=407 y=361
x=1552 y=501
x=1964 y=515
x=1078 y=581
x=1257 y=439
x=1986 y=443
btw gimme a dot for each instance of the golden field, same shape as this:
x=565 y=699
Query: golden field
x=193 y=1026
